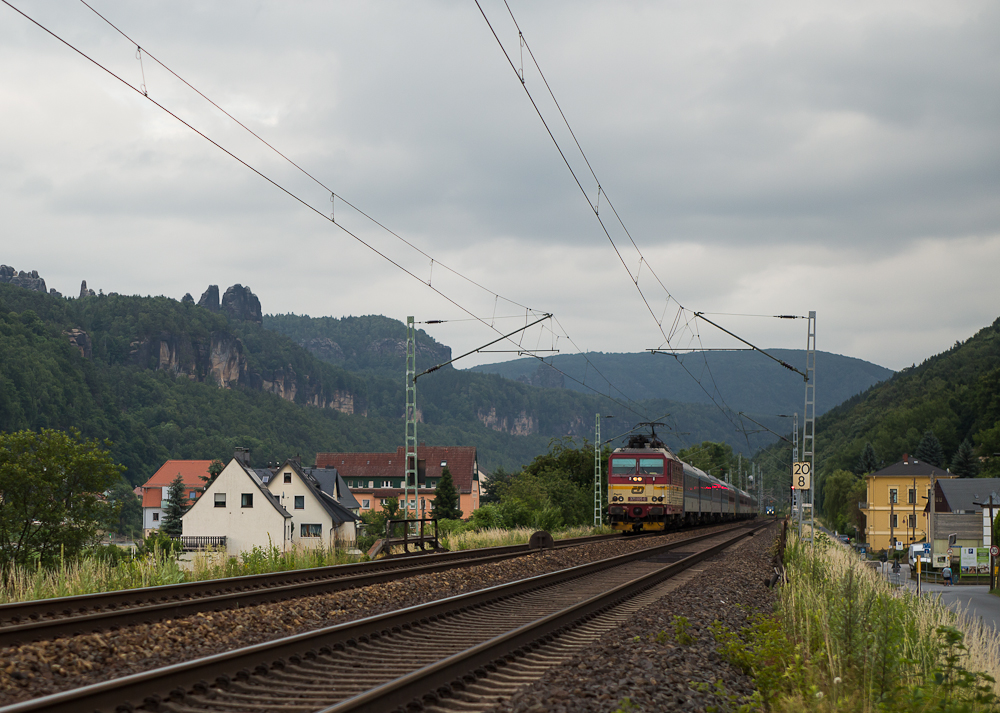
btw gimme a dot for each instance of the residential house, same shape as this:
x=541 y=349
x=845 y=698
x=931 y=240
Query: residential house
x=284 y=507
x=155 y=491
x=376 y=477
x=894 y=510
x=958 y=511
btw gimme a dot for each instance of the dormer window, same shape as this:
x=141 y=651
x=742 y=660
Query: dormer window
x=444 y=463
x=288 y=477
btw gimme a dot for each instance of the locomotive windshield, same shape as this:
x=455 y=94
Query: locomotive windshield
x=651 y=466
x=623 y=466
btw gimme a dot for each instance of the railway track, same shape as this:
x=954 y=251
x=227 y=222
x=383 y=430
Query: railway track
x=24 y=622
x=423 y=654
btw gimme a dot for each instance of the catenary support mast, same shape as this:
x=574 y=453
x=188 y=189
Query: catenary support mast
x=809 y=422
x=598 y=487
x=411 y=416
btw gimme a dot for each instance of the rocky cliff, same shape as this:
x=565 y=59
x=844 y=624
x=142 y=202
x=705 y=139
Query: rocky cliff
x=26 y=280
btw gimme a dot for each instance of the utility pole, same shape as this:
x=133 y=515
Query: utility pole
x=796 y=494
x=598 y=481
x=809 y=421
x=411 y=417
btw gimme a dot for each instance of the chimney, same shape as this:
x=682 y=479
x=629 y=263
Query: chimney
x=906 y=459
x=242 y=455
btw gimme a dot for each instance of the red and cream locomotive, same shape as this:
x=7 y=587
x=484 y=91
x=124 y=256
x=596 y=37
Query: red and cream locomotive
x=650 y=488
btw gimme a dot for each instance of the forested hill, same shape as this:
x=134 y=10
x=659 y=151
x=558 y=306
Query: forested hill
x=955 y=394
x=747 y=381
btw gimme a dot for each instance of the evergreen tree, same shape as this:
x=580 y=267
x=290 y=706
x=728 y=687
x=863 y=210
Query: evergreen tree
x=446 y=498
x=929 y=450
x=129 y=520
x=965 y=464
x=175 y=507
x=868 y=462
x=214 y=468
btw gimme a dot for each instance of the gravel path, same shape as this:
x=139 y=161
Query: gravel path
x=46 y=667
x=638 y=669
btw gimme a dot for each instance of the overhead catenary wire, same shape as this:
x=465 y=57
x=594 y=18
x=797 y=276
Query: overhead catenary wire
x=331 y=218
x=724 y=408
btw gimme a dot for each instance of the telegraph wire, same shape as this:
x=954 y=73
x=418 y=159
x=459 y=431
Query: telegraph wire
x=330 y=218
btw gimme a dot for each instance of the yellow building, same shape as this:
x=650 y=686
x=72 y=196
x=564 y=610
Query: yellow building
x=897 y=496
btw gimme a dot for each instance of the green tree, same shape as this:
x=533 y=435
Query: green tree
x=129 y=519
x=965 y=464
x=52 y=484
x=839 y=501
x=929 y=450
x=176 y=507
x=446 y=498
x=214 y=468
x=868 y=462
x=493 y=485
x=713 y=458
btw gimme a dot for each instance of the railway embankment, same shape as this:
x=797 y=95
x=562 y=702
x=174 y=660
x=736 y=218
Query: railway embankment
x=667 y=656
x=831 y=636
x=45 y=667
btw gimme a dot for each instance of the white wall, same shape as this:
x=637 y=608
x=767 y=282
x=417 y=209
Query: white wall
x=312 y=511
x=262 y=525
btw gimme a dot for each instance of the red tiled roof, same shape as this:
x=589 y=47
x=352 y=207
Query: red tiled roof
x=461 y=462
x=190 y=472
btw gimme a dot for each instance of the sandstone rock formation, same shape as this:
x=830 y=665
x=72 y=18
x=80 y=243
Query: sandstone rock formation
x=524 y=424
x=242 y=304
x=27 y=280
x=187 y=299
x=210 y=299
x=81 y=340
x=84 y=292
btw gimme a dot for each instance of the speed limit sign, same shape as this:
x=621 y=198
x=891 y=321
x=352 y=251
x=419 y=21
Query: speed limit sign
x=801 y=475
x=994 y=550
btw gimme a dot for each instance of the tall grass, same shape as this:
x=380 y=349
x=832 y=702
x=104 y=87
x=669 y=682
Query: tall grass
x=88 y=575
x=842 y=639
x=497 y=537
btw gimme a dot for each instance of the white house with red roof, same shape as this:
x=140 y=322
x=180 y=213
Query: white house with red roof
x=155 y=491
x=375 y=477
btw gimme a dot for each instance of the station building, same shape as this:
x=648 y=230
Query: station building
x=895 y=509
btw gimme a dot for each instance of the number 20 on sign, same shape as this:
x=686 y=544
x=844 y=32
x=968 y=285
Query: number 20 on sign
x=801 y=475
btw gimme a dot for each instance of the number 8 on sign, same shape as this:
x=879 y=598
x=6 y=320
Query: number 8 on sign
x=801 y=475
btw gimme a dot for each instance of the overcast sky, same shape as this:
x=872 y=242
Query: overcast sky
x=766 y=157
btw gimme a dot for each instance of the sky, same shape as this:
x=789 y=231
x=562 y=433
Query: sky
x=765 y=158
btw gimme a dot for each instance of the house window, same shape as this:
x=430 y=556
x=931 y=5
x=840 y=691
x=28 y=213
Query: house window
x=288 y=477
x=156 y=516
x=895 y=520
x=386 y=483
x=444 y=463
x=192 y=495
x=220 y=500
x=913 y=520
x=911 y=496
x=246 y=500
x=382 y=501
x=893 y=495
x=300 y=502
x=366 y=504
x=311 y=531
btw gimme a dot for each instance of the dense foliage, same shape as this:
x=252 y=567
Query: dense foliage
x=446 y=499
x=52 y=505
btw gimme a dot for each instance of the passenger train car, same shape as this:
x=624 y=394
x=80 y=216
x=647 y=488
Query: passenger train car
x=650 y=488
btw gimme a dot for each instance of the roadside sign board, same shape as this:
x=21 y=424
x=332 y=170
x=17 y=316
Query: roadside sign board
x=801 y=475
x=994 y=550
x=951 y=551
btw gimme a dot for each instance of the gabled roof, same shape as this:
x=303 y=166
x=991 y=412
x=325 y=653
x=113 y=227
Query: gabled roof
x=190 y=472
x=335 y=510
x=962 y=494
x=268 y=495
x=332 y=483
x=910 y=468
x=460 y=460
